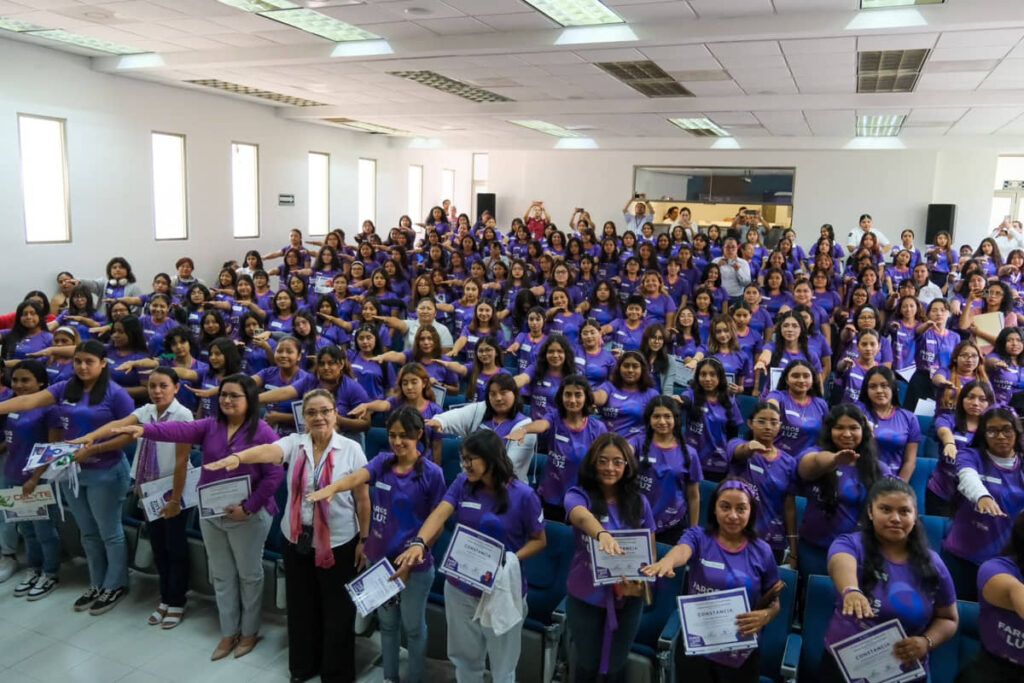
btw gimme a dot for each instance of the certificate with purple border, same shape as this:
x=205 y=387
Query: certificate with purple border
x=708 y=622
x=473 y=558
x=867 y=657
x=608 y=569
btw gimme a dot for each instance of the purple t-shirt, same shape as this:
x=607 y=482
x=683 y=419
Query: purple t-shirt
x=902 y=595
x=708 y=437
x=801 y=423
x=27 y=345
x=623 y=413
x=974 y=536
x=663 y=477
x=596 y=368
x=81 y=417
x=820 y=528
x=528 y=350
x=1000 y=629
x=581 y=577
x=904 y=347
x=851 y=382
x=541 y=391
x=934 y=351
x=348 y=395
x=368 y=374
x=401 y=503
x=629 y=339
x=22 y=431
x=713 y=568
x=477 y=509
x=943 y=481
x=566 y=453
x=302 y=381
x=567 y=324
x=774 y=481
x=660 y=308
x=892 y=434
x=1005 y=381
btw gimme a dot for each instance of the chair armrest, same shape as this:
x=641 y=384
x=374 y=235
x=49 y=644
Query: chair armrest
x=791 y=657
x=670 y=633
x=558 y=616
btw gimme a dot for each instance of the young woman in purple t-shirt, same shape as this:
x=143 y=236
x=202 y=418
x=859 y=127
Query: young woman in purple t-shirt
x=604 y=620
x=489 y=499
x=726 y=554
x=405 y=488
x=1001 y=616
x=887 y=571
x=954 y=432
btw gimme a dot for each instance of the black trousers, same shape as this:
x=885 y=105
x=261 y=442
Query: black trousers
x=321 y=616
x=987 y=668
x=702 y=670
x=170 y=554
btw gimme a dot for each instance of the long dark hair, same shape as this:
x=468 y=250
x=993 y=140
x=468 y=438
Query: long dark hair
x=695 y=409
x=542 y=368
x=499 y=360
x=489 y=447
x=251 y=421
x=232 y=360
x=505 y=382
x=733 y=484
x=411 y=422
x=890 y=379
x=872 y=570
x=960 y=415
x=120 y=260
x=646 y=381
x=780 y=343
x=980 y=440
x=1015 y=545
x=658 y=360
x=677 y=427
x=581 y=382
x=1000 y=346
x=815 y=389
x=627 y=491
x=75 y=389
x=868 y=470
x=18 y=331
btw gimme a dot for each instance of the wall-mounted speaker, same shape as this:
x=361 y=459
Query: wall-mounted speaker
x=941 y=217
x=484 y=202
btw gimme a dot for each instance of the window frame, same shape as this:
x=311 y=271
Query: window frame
x=184 y=184
x=309 y=226
x=66 y=178
x=259 y=213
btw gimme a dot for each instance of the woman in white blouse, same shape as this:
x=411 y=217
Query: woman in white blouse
x=324 y=539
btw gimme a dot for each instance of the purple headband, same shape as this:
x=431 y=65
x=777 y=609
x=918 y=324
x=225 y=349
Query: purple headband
x=738 y=485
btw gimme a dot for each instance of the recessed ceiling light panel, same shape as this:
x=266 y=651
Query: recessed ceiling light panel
x=89 y=42
x=19 y=26
x=256 y=92
x=366 y=127
x=259 y=5
x=321 y=25
x=701 y=127
x=889 y=4
x=576 y=12
x=880 y=125
x=547 y=128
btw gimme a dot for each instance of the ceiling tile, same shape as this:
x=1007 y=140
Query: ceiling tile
x=818 y=45
x=138 y=10
x=913 y=41
x=364 y=14
x=951 y=54
x=929 y=82
x=831 y=122
x=550 y=58
x=524 y=21
x=923 y=131
x=731 y=8
x=478 y=8
x=1008 y=36
x=613 y=55
x=811 y=5
x=929 y=115
x=727 y=118
x=984 y=120
x=420 y=10
x=652 y=11
x=455 y=26
x=713 y=88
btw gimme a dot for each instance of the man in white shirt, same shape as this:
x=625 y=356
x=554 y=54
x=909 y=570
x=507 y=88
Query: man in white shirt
x=866 y=225
x=735 y=272
x=634 y=221
x=1008 y=236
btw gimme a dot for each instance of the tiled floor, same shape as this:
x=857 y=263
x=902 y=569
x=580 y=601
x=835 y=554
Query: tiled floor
x=47 y=641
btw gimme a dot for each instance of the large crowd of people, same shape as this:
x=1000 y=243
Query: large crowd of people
x=642 y=358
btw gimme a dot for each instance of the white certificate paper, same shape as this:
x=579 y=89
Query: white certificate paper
x=708 y=622
x=775 y=374
x=300 y=419
x=18 y=507
x=473 y=558
x=373 y=588
x=59 y=453
x=215 y=497
x=867 y=657
x=156 y=493
x=608 y=569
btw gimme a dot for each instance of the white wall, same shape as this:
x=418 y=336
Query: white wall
x=109 y=121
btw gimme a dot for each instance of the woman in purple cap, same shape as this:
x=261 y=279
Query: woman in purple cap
x=886 y=571
x=1001 y=618
x=604 y=619
x=726 y=554
x=990 y=484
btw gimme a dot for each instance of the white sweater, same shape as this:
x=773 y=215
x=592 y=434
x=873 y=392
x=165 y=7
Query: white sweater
x=466 y=419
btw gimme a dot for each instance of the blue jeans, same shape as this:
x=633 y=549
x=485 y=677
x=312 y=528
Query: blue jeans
x=97 y=511
x=42 y=543
x=8 y=532
x=409 y=615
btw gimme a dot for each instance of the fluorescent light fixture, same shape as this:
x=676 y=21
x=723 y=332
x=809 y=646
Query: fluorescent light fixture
x=362 y=48
x=880 y=19
x=149 y=60
x=700 y=127
x=576 y=143
x=259 y=5
x=366 y=127
x=590 y=35
x=875 y=143
x=576 y=12
x=434 y=80
x=546 y=128
x=319 y=24
x=882 y=4
x=880 y=125
x=19 y=26
x=62 y=36
x=726 y=143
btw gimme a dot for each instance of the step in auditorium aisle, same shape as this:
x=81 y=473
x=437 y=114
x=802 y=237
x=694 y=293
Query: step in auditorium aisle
x=46 y=641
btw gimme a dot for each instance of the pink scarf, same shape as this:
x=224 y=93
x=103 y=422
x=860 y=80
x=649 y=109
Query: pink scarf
x=321 y=510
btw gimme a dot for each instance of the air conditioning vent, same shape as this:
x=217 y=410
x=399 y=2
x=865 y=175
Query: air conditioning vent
x=647 y=78
x=256 y=92
x=451 y=86
x=889 y=70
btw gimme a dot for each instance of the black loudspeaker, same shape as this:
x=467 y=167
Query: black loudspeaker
x=941 y=217
x=484 y=202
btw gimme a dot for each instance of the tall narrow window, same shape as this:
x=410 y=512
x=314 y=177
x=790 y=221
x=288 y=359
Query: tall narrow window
x=415 y=205
x=170 y=203
x=319 y=193
x=367 y=200
x=44 y=179
x=245 y=189
x=448 y=185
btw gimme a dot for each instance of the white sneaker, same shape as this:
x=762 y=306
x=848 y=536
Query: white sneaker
x=8 y=565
